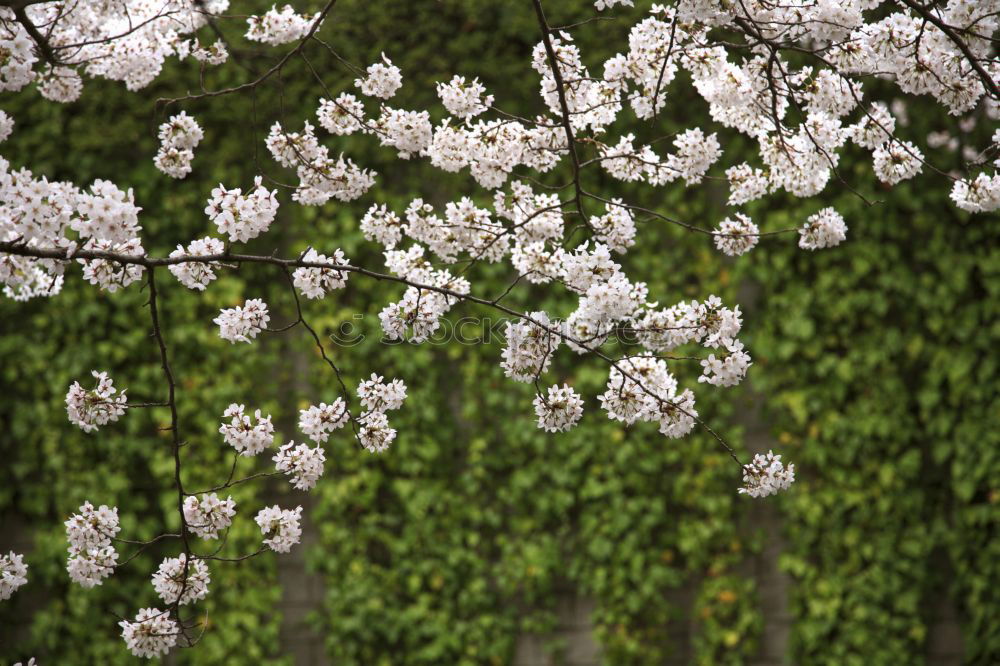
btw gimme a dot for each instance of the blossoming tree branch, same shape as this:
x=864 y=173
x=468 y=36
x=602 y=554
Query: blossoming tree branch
x=791 y=77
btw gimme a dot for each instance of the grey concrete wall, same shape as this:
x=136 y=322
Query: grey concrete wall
x=16 y=536
x=773 y=585
x=301 y=592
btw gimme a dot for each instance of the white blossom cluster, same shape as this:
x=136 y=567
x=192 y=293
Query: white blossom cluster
x=641 y=388
x=99 y=40
x=465 y=228
x=242 y=434
x=318 y=421
x=603 y=305
x=608 y=4
x=196 y=274
x=152 y=634
x=280 y=527
x=709 y=324
x=112 y=275
x=728 y=369
x=207 y=515
x=179 y=136
x=279 y=27
x=183 y=581
x=321 y=178
x=377 y=398
x=383 y=79
x=99 y=406
x=342 y=116
x=616 y=228
x=382 y=226
x=376 y=395
x=39 y=212
x=825 y=228
x=534 y=218
x=530 y=346
x=316 y=282
x=754 y=95
x=592 y=102
x=895 y=161
x=243 y=323
x=696 y=153
x=106 y=213
x=409 y=132
x=92 y=557
x=26 y=278
x=416 y=316
x=490 y=149
x=6 y=126
x=875 y=128
x=746 y=184
x=59 y=84
x=302 y=464
x=464 y=99
x=242 y=216
x=375 y=433
x=586 y=267
x=766 y=475
x=13 y=574
x=559 y=409
x=736 y=237
x=979 y=195
x=17 y=71
x=214 y=54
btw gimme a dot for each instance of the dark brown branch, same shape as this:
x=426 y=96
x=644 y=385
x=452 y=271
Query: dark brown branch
x=561 y=92
x=174 y=431
x=44 y=48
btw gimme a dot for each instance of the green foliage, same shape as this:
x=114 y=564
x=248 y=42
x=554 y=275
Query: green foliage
x=727 y=610
x=882 y=378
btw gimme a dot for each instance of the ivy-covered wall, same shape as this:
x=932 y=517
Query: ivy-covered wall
x=881 y=376
x=873 y=362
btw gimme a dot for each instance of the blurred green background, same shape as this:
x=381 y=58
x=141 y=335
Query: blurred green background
x=875 y=372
